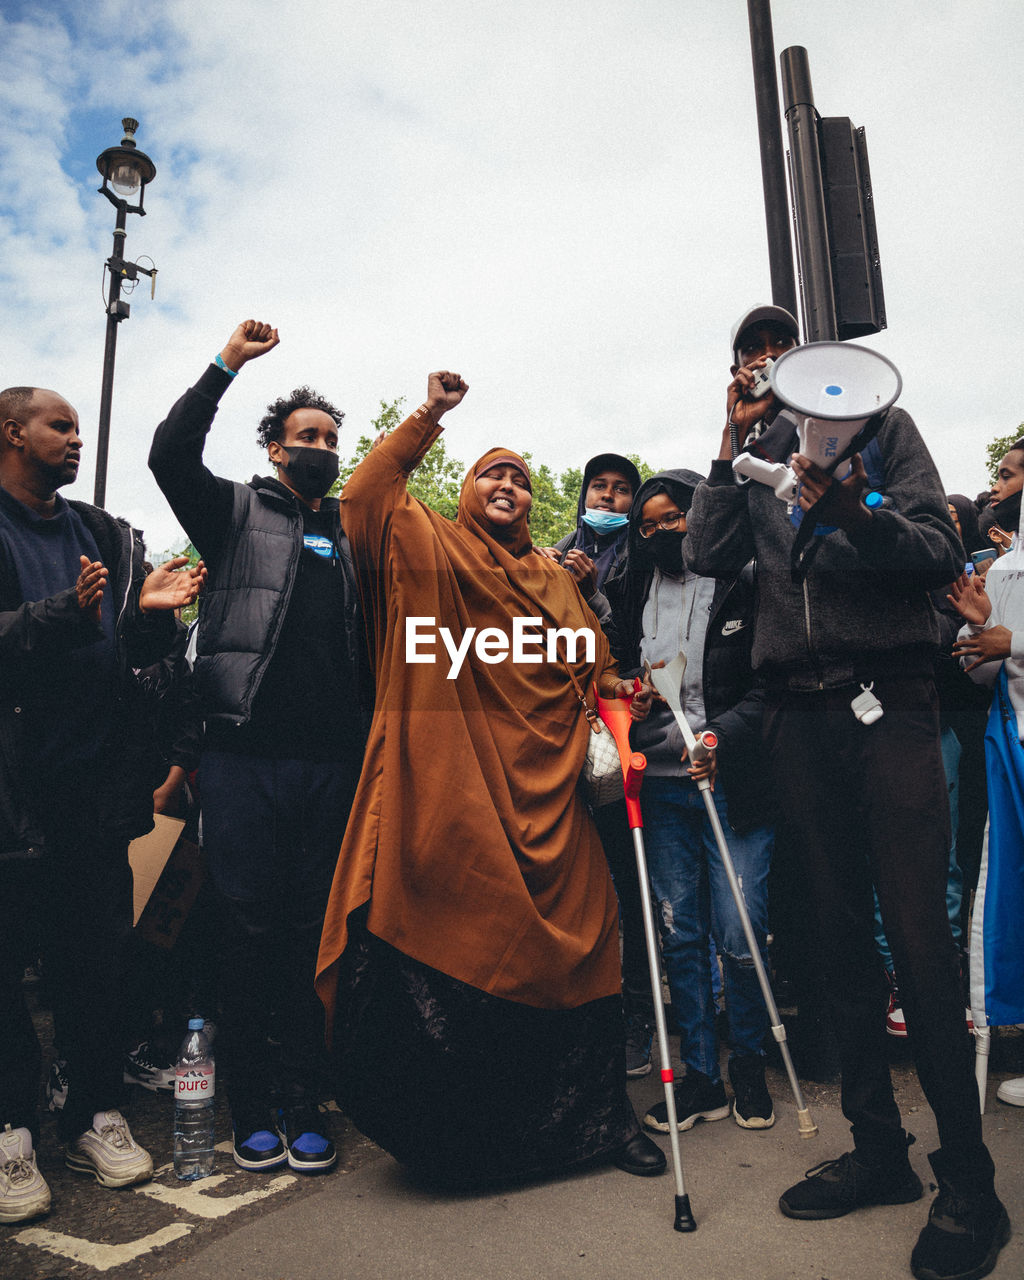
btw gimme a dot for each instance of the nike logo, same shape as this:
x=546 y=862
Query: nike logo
x=737 y=624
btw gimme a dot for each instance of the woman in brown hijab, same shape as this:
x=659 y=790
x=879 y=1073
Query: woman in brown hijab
x=469 y=962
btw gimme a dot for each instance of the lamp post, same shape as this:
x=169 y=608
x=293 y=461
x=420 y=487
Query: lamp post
x=126 y=172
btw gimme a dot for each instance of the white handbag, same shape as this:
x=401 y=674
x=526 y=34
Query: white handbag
x=602 y=770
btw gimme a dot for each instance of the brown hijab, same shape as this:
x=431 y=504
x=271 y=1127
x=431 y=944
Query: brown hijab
x=468 y=837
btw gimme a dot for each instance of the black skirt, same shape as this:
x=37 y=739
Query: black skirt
x=467 y=1088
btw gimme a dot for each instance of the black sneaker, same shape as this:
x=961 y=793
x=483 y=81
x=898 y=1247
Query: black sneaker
x=144 y=1066
x=966 y=1228
x=752 y=1105
x=837 y=1187
x=255 y=1146
x=304 y=1130
x=696 y=1099
x=57 y=1085
x=639 y=1034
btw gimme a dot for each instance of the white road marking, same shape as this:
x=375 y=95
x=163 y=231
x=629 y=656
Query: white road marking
x=100 y=1256
x=191 y=1197
x=181 y=1197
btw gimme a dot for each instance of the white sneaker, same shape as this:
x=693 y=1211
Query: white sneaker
x=1012 y=1091
x=109 y=1152
x=23 y=1191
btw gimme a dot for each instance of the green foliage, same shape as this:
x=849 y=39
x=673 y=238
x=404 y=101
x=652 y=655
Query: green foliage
x=999 y=448
x=555 y=498
x=189 y=613
x=436 y=481
x=645 y=469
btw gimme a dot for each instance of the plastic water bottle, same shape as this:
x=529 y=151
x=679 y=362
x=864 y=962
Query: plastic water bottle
x=193 y=1105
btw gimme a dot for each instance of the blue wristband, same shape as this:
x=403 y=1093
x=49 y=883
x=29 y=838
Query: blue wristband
x=232 y=373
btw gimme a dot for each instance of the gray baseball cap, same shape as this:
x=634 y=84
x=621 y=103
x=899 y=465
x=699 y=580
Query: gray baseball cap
x=758 y=315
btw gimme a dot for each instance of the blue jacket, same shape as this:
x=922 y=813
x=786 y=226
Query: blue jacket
x=47 y=629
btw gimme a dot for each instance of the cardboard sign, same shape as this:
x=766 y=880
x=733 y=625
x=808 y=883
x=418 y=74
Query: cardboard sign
x=148 y=856
x=171 y=896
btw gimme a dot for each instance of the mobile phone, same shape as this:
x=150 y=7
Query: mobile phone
x=762 y=384
x=979 y=557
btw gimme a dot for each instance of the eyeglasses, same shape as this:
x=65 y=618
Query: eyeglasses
x=667 y=525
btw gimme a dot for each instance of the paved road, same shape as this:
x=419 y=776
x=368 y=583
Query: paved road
x=368 y=1220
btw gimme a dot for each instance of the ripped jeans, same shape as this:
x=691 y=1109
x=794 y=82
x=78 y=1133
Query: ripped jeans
x=692 y=898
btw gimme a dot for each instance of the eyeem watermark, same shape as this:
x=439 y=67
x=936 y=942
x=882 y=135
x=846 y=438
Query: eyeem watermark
x=528 y=643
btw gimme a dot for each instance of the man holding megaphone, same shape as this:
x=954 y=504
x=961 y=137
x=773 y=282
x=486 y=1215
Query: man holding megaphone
x=845 y=640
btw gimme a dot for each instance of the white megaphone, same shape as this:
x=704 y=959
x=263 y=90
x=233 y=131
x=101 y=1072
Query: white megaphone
x=830 y=389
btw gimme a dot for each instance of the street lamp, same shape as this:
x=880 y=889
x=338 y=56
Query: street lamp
x=126 y=172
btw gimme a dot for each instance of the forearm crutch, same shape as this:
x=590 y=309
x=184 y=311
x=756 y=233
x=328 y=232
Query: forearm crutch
x=669 y=681
x=615 y=714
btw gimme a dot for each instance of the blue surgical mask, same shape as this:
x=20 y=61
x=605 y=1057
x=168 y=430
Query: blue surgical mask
x=604 y=521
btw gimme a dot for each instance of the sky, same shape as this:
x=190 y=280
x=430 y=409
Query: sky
x=561 y=201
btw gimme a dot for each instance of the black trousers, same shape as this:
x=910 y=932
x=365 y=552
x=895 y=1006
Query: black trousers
x=867 y=805
x=617 y=841
x=72 y=907
x=272 y=830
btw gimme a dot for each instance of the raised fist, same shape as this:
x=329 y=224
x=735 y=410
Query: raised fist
x=252 y=339
x=444 y=391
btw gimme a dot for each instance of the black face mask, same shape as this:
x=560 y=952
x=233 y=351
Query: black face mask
x=311 y=472
x=1007 y=512
x=666 y=550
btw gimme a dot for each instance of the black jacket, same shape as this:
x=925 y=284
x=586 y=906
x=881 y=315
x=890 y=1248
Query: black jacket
x=55 y=626
x=250 y=536
x=862 y=608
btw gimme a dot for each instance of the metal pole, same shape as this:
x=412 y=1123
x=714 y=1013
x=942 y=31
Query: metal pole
x=114 y=318
x=684 y=1220
x=806 y=1126
x=773 y=169
x=819 y=305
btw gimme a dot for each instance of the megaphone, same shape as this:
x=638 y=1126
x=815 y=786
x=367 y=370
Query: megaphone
x=831 y=390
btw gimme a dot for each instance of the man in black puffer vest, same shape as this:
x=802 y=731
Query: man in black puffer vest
x=284 y=685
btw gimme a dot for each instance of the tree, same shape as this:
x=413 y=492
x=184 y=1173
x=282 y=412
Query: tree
x=999 y=448
x=436 y=481
x=555 y=498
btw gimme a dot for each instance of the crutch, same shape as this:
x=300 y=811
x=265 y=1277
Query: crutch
x=615 y=714
x=669 y=682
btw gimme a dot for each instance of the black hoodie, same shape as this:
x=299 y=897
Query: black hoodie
x=605 y=549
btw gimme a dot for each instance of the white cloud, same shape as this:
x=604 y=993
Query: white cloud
x=564 y=202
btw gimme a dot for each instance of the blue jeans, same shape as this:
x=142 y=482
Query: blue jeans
x=692 y=900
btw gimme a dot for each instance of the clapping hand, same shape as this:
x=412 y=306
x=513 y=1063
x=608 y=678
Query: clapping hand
x=171 y=585
x=90 y=586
